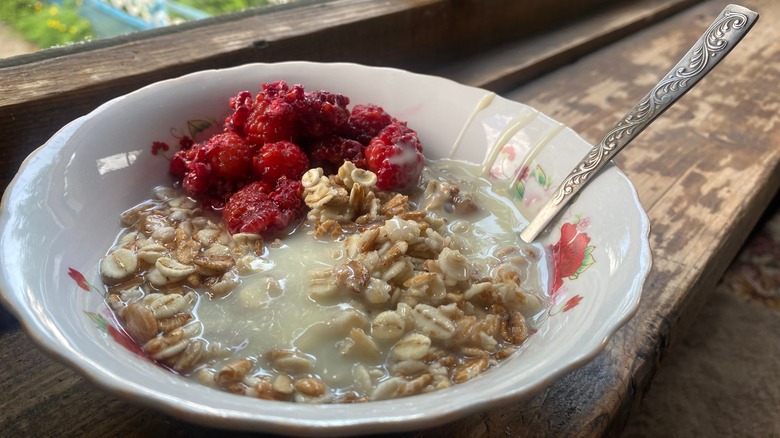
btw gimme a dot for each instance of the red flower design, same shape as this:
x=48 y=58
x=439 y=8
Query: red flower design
x=568 y=253
x=573 y=301
x=118 y=334
x=158 y=146
x=125 y=340
x=523 y=172
x=78 y=277
x=510 y=152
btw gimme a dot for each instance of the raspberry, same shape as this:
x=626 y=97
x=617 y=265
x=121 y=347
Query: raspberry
x=182 y=158
x=321 y=113
x=287 y=194
x=242 y=105
x=249 y=210
x=196 y=182
x=253 y=210
x=269 y=118
x=178 y=165
x=230 y=157
x=395 y=155
x=252 y=169
x=331 y=152
x=278 y=89
x=365 y=122
x=281 y=159
x=286 y=113
x=270 y=121
x=213 y=170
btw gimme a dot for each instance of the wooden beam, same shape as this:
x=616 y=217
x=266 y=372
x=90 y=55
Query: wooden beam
x=512 y=64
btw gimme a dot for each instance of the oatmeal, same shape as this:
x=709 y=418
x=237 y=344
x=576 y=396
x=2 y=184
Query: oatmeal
x=340 y=270
x=366 y=300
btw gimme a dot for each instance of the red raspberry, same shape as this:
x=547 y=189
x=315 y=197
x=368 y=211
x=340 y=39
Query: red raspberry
x=280 y=159
x=321 y=113
x=286 y=113
x=271 y=117
x=287 y=195
x=249 y=210
x=178 y=165
x=365 y=123
x=395 y=155
x=253 y=210
x=230 y=157
x=277 y=89
x=181 y=159
x=197 y=180
x=242 y=105
x=213 y=170
x=331 y=152
x=270 y=121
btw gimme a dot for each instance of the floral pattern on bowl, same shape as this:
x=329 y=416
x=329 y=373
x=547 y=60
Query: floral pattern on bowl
x=572 y=254
x=105 y=320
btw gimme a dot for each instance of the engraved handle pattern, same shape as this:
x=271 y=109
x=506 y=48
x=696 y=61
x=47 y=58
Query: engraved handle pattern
x=723 y=34
x=694 y=65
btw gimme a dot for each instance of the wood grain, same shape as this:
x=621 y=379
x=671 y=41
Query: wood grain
x=502 y=68
x=704 y=172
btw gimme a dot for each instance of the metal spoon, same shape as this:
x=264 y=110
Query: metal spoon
x=723 y=34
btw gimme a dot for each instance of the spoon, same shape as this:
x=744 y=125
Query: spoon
x=723 y=34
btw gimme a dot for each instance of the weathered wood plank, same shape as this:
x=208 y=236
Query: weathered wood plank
x=506 y=67
x=39 y=396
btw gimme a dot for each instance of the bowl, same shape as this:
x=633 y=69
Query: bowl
x=60 y=214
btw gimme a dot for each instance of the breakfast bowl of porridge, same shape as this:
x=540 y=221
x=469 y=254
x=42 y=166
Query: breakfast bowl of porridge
x=293 y=248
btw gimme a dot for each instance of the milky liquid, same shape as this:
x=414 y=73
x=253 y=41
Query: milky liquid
x=253 y=320
x=496 y=224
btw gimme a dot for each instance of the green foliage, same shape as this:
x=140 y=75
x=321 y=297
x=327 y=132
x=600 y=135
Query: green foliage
x=46 y=25
x=219 y=7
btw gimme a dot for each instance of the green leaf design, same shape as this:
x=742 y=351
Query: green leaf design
x=542 y=177
x=197 y=126
x=587 y=260
x=99 y=320
x=520 y=190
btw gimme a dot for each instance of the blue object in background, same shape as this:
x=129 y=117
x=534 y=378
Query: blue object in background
x=117 y=17
x=108 y=21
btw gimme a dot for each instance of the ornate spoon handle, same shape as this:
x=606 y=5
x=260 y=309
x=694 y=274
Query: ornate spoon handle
x=723 y=34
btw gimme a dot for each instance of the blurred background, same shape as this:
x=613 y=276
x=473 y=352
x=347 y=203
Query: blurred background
x=30 y=25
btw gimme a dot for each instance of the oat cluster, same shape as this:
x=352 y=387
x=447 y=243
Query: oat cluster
x=169 y=250
x=422 y=315
x=443 y=319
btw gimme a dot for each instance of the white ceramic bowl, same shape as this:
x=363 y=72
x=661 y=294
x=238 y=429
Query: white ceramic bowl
x=59 y=215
